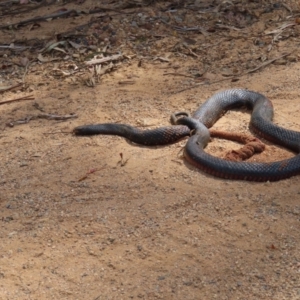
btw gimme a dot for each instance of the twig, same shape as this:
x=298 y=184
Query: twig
x=287 y=7
x=14 y=47
x=238 y=75
x=25 y=72
x=191 y=52
x=7 y=88
x=281 y=28
x=162 y=59
x=58 y=132
x=55 y=117
x=228 y=27
x=178 y=74
x=43 y=116
x=197 y=28
x=17 y=99
x=91 y=172
x=266 y=63
x=103 y=59
x=44 y=18
x=22 y=9
x=126 y=82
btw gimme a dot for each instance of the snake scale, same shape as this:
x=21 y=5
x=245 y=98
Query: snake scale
x=205 y=117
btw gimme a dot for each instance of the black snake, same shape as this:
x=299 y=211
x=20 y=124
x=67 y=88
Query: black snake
x=204 y=117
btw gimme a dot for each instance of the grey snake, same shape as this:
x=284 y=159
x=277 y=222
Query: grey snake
x=205 y=117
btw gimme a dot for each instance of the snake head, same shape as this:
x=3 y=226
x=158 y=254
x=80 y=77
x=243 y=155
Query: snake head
x=201 y=135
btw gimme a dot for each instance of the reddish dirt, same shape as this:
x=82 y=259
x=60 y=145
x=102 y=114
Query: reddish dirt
x=78 y=224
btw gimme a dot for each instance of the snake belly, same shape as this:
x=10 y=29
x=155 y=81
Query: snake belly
x=208 y=113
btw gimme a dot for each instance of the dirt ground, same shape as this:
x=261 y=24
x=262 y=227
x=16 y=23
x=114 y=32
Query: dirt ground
x=76 y=222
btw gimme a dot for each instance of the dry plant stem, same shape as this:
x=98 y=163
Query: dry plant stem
x=56 y=117
x=21 y=10
x=37 y=19
x=57 y=132
x=42 y=116
x=266 y=63
x=287 y=7
x=239 y=75
x=25 y=72
x=14 y=47
x=102 y=60
x=17 y=99
x=10 y=88
x=179 y=74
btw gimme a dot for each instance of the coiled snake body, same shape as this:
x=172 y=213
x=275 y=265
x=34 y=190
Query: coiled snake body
x=204 y=117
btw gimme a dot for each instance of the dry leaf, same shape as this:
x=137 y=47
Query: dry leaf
x=42 y=58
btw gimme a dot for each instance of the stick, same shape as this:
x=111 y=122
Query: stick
x=179 y=74
x=266 y=63
x=239 y=75
x=103 y=59
x=4 y=89
x=44 y=18
x=17 y=99
x=25 y=72
x=55 y=117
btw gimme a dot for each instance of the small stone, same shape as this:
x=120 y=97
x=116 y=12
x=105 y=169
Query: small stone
x=11 y=234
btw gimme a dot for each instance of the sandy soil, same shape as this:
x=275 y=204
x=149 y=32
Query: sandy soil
x=78 y=224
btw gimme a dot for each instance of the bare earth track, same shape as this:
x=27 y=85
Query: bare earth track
x=99 y=218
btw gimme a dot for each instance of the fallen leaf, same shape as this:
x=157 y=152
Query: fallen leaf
x=42 y=58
